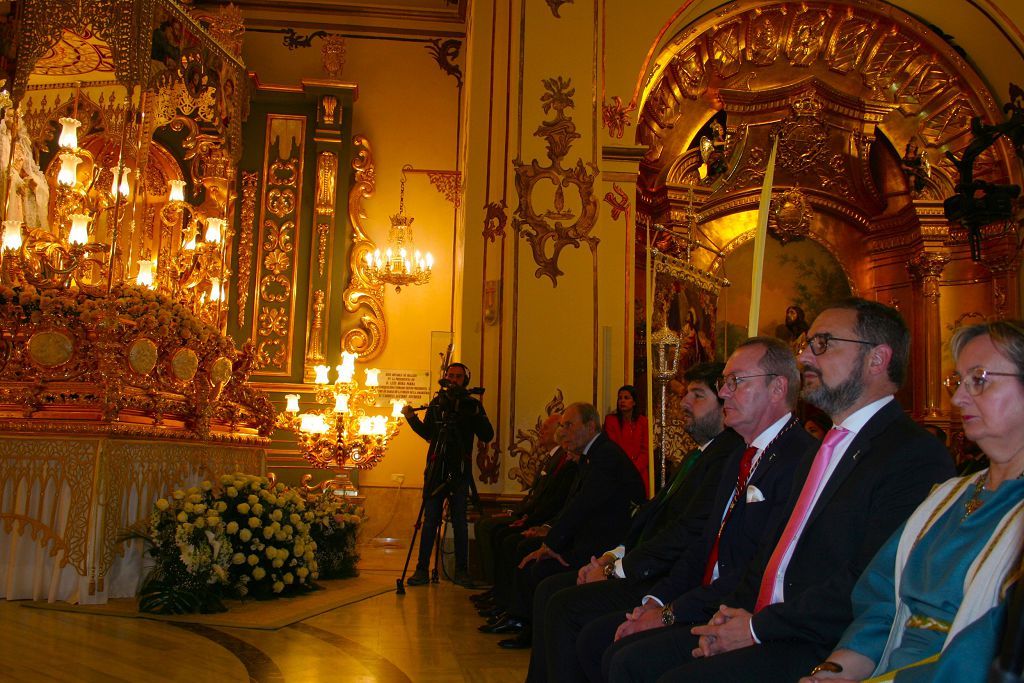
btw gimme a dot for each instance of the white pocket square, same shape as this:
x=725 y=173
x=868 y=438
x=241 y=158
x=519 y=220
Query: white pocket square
x=754 y=494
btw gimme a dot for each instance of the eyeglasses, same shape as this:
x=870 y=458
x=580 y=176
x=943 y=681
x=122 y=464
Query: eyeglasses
x=732 y=381
x=975 y=381
x=818 y=343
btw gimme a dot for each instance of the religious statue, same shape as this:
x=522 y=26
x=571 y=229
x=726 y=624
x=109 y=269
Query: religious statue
x=28 y=197
x=794 y=330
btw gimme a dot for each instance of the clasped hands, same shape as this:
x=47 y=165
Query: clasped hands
x=728 y=630
x=541 y=553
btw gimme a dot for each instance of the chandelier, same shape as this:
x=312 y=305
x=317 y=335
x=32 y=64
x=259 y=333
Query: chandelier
x=342 y=432
x=401 y=263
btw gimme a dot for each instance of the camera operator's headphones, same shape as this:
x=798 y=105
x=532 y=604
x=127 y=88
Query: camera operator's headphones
x=465 y=369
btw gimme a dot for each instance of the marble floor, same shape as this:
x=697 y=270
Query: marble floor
x=429 y=634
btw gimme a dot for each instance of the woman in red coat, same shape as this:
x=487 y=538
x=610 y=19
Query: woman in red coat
x=627 y=426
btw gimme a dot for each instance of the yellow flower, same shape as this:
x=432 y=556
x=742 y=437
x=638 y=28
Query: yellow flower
x=232 y=527
x=200 y=522
x=257 y=509
x=162 y=504
x=232 y=492
x=276 y=515
x=243 y=508
x=253 y=560
x=277 y=563
x=280 y=535
x=254 y=522
x=188 y=507
x=271 y=552
x=238 y=558
x=302 y=572
x=221 y=506
x=200 y=508
x=253 y=499
x=294 y=518
x=283 y=553
x=179 y=494
x=268 y=533
x=226 y=479
x=288 y=578
x=206 y=485
x=182 y=517
x=258 y=573
x=278 y=586
x=245 y=535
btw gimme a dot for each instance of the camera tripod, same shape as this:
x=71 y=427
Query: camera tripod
x=445 y=472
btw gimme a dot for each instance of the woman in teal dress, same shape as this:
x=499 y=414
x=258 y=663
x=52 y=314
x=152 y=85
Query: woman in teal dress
x=930 y=605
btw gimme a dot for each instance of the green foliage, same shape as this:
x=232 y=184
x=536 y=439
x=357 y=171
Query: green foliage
x=818 y=283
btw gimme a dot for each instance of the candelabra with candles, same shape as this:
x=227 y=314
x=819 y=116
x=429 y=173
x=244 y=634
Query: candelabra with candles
x=401 y=263
x=665 y=343
x=343 y=433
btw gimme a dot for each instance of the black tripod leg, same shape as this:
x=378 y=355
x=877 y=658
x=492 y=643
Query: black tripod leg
x=441 y=529
x=400 y=583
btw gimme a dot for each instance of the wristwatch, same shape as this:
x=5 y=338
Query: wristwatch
x=668 y=617
x=829 y=666
x=609 y=571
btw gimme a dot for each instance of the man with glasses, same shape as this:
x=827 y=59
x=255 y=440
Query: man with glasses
x=872 y=470
x=758 y=390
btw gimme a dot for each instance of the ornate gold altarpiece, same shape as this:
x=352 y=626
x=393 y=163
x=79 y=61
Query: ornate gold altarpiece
x=112 y=393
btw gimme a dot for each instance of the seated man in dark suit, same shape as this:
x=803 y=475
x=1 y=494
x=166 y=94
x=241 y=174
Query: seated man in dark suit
x=871 y=471
x=749 y=500
x=600 y=503
x=541 y=503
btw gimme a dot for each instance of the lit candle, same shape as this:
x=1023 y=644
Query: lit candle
x=365 y=426
x=396 y=407
x=430 y=261
x=215 y=289
x=177 y=191
x=145 y=276
x=372 y=377
x=341 y=403
x=369 y=260
x=313 y=423
x=322 y=374
x=12 y=234
x=380 y=425
x=190 y=244
x=292 y=405
x=124 y=188
x=79 y=233
x=68 y=173
x=68 y=132
x=214 y=228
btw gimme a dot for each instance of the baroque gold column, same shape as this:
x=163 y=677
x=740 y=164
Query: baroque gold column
x=925 y=270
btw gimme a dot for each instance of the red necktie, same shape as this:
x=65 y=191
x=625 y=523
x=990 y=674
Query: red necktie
x=800 y=513
x=741 y=486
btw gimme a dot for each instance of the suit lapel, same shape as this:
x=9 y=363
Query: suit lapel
x=860 y=446
x=780 y=442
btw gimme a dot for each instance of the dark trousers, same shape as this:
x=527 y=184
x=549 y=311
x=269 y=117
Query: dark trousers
x=546 y=590
x=525 y=585
x=663 y=655
x=490 y=532
x=432 y=508
x=513 y=549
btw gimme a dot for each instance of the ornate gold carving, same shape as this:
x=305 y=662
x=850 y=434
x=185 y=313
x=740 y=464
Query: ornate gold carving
x=326 y=182
x=362 y=292
x=250 y=183
x=790 y=216
x=328 y=109
x=495 y=219
x=926 y=267
x=332 y=56
x=524 y=446
x=142 y=356
x=558 y=224
x=227 y=27
x=615 y=116
x=275 y=301
x=315 y=347
x=445 y=53
x=50 y=348
x=807 y=36
x=448 y=183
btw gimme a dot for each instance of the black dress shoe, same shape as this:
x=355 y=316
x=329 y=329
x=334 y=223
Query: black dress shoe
x=509 y=625
x=492 y=612
x=486 y=596
x=521 y=642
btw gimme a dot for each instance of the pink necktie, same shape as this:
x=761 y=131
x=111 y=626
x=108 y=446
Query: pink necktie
x=799 y=516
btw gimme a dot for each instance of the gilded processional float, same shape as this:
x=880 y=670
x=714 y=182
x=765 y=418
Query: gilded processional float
x=119 y=146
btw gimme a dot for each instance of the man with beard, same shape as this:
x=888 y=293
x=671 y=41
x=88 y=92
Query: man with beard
x=872 y=469
x=749 y=494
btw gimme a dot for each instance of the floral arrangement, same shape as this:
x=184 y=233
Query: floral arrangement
x=334 y=528
x=246 y=537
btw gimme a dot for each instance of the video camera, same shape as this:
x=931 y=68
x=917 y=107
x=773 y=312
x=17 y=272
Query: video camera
x=452 y=397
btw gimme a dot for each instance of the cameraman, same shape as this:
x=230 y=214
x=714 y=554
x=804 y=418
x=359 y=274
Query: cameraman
x=453 y=418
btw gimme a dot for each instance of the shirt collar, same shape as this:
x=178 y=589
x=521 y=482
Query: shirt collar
x=591 y=442
x=857 y=419
x=762 y=440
